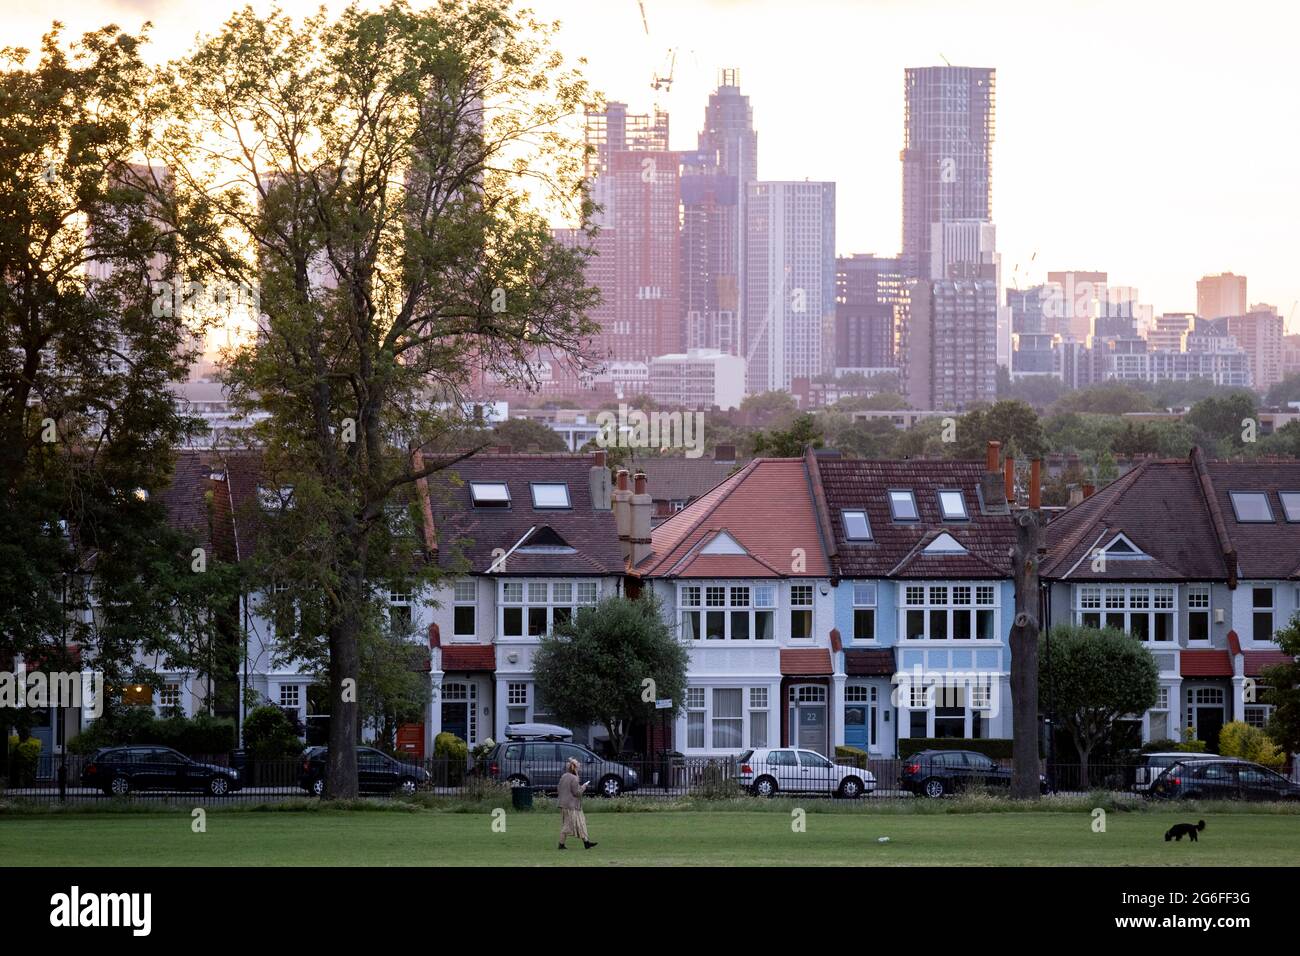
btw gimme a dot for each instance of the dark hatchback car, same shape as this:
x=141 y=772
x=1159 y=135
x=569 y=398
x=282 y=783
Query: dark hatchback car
x=376 y=772
x=1227 y=779
x=936 y=773
x=119 y=770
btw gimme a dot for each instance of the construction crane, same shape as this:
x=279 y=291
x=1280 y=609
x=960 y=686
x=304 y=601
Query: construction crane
x=662 y=81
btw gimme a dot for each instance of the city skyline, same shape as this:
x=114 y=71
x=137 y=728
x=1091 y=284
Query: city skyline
x=1170 y=205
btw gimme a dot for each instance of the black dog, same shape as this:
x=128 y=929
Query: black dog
x=1180 y=830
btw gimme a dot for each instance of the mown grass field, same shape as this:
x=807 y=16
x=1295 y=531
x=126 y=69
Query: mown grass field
x=689 y=837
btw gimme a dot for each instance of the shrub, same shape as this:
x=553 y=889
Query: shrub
x=850 y=756
x=1158 y=746
x=269 y=734
x=1190 y=744
x=1240 y=739
x=24 y=758
x=715 y=783
x=998 y=748
x=203 y=735
x=450 y=756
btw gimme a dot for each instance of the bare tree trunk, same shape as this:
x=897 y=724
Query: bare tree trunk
x=1024 y=661
x=344 y=635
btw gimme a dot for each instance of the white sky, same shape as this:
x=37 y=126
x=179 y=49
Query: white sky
x=1154 y=139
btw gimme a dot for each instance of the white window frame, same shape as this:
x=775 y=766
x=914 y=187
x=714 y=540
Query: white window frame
x=984 y=596
x=1271 y=610
x=290 y=696
x=865 y=597
x=169 y=694
x=755 y=704
x=1129 y=601
x=464 y=593
x=693 y=601
x=1194 y=595
x=581 y=592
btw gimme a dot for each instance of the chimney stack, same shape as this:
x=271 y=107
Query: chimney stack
x=1089 y=490
x=1036 y=484
x=993 y=483
x=622 y=504
x=601 y=497
x=991 y=456
x=640 y=508
x=1076 y=495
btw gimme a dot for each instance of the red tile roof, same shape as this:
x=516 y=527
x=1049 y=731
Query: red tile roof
x=1206 y=664
x=767 y=507
x=869 y=662
x=806 y=662
x=1256 y=661
x=469 y=657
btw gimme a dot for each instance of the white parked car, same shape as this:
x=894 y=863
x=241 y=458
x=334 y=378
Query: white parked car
x=767 y=772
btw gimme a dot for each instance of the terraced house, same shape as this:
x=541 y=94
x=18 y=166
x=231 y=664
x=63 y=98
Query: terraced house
x=1199 y=560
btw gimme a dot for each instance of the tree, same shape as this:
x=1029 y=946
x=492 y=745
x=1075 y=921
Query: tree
x=594 y=668
x=388 y=168
x=524 y=434
x=93 y=222
x=765 y=409
x=1011 y=422
x=790 y=442
x=1284 y=392
x=1281 y=688
x=1097 y=676
x=394 y=681
x=1112 y=398
x=1024 y=659
x=1221 y=420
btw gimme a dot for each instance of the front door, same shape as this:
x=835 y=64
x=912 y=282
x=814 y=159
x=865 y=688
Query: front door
x=808 y=724
x=860 y=715
x=1209 y=721
x=459 y=716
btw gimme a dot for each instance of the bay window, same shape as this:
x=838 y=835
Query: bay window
x=721 y=612
x=533 y=608
x=943 y=612
x=1144 y=611
x=726 y=718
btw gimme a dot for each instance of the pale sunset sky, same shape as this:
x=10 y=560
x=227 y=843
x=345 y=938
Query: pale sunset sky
x=1157 y=140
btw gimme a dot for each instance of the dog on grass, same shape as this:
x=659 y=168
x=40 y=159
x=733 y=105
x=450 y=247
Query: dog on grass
x=1180 y=830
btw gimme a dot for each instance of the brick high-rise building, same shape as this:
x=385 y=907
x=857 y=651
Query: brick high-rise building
x=949 y=342
x=1224 y=294
x=868 y=295
x=1260 y=334
x=947 y=154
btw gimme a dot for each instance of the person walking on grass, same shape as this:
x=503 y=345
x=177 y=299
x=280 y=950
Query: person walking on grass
x=575 y=822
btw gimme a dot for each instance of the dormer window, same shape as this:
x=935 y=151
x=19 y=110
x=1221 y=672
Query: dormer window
x=952 y=505
x=550 y=494
x=1121 y=547
x=945 y=544
x=1251 y=507
x=489 y=494
x=1290 y=504
x=856 y=525
x=723 y=543
x=902 y=505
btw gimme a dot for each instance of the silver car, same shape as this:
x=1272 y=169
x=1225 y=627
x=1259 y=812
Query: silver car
x=539 y=764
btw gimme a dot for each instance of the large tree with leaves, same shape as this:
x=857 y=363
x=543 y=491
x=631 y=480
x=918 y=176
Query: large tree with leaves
x=389 y=168
x=90 y=222
x=1089 y=678
x=609 y=663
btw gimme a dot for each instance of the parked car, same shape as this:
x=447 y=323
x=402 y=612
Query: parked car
x=1151 y=766
x=937 y=773
x=1224 y=778
x=539 y=763
x=376 y=772
x=767 y=771
x=119 y=770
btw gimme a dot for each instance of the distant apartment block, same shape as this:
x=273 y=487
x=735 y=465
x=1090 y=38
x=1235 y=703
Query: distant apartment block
x=1170 y=331
x=1221 y=295
x=947 y=156
x=790 y=281
x=1074 y=302
x=868 y=296
x=698 y=379
x=1260 y=335
x=949 y=343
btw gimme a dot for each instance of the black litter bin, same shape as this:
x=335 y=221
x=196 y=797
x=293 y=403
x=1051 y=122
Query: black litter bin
x=521 y=797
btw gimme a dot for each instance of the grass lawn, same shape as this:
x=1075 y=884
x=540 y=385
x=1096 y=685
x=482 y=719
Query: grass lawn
x=683 y=838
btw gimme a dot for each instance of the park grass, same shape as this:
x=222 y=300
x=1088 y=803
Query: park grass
x=685 y=837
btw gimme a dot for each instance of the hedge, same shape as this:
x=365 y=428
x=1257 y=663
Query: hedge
x=850 y=756
x=999 y=748
x=197 y=736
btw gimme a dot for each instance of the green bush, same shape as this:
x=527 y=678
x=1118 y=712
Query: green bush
x=998 y=748
x=1240 y=739
x=1190 y=744
x=203 y=735
x=24 y=758
x=450 y=757
x=269 y=734
x=1159 y=746
x=850 y=756
x=715 y=783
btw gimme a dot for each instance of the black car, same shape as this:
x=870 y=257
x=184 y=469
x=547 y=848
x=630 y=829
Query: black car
x=376 y=772
x=935 y=773
x=119 y=770
x=1224 y=779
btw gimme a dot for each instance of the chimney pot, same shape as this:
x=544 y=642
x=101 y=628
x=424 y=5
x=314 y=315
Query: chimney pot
x=1089 y=490
x=622 y=479
x=600 y=458
x=639 y=483
x=1009 y=479
x=991 y=456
